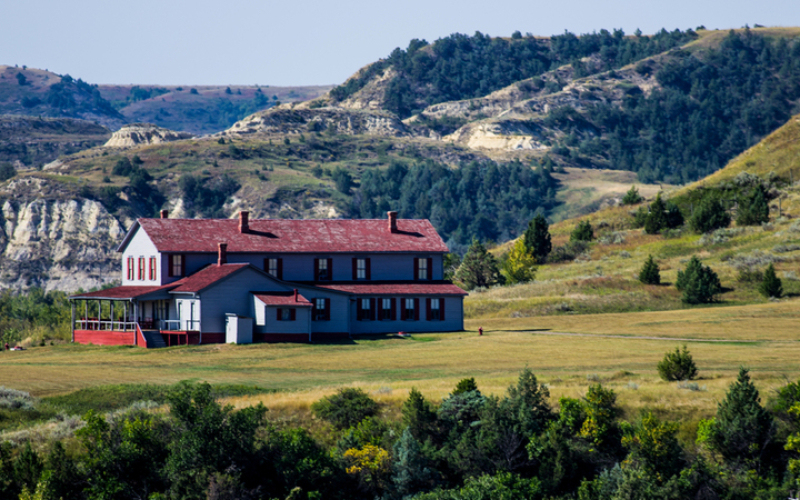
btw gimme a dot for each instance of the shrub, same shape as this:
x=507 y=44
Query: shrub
x=661 y=216
x=753 y=209
x=677 y=365
x=710 y=215
x=698 y=283
x=537 y=238
x=582 y=232
x=479 y=268
x=567 y=252
x=346 y=408
x=632 y=197
x=7 y=171
x=771 y=285
x=520 y=266
x=465 y=385
x=650 y=274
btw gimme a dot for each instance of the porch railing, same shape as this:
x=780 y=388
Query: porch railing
x=180 y=325
x=104 y=325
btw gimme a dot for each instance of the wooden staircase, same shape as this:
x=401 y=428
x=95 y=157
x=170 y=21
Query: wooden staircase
x=153 y=339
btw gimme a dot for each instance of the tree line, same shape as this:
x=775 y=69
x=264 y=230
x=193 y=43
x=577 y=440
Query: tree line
x=469 y=445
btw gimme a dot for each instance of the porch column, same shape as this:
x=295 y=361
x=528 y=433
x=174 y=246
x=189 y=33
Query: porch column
x=85 y=314
x=72 y=316
x=112 y=315
x=125 y=317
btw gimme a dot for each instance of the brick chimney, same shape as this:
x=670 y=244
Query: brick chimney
x=222 y=256
x=165 y=214
x=295 y=294
x=244 y=221
x=392 y=221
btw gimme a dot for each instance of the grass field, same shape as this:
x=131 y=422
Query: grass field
x=619 y=350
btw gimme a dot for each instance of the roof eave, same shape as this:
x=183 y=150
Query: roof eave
x=128 y=236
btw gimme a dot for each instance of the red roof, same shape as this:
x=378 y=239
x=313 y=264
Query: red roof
x=295 y=236
x=122 y=292
x=397 y=288
x=206 y=277
x=282 y=299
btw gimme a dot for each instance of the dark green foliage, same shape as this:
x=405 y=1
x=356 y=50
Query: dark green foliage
x=419 y=417
x=677 y=365
x=582 y=232
x=662 y=216
x=526 y=402
x=537 y=238
x=346 y=408
x=465 y=385
x=210 y=438
x=27 y=467
x=7 y=171
x=650 y=273
x=502 y=486
x=21 y=79
x=742 y=428
x=698 y=283
x=193 y=91
x=207 y=197
x=710 y=106
x=9 y=487
x=461 y=67
x=75 y=97
x=771 y=286
x=753 y=208
x=632 y=197
x=709 y=216
x=488 y=201
x=343 y=180
x=569 y=251
x=293 y=459
x=411 y=471
x=140 y=94
x=479 y=268
x=654 y=448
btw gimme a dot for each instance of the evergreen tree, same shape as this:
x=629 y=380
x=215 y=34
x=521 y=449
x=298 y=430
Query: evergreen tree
x=677 y=366
x=479 y=268
x=419 y=417
x=698 y=283
x=771 y=286
x=465 y=385
x=582 y=232
x=742 y=427
x=710 y=215
x=28 y=467
x=410 y=471
x=632 y=197
x=656 y=219
x=650 y=273
x=537 y=238
x=753 y=209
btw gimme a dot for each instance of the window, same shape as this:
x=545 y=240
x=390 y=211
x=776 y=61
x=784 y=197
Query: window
x=176 y=265
x=387 y=309
x=322 y=310
x=435 y=311
x=141 y=268
x=152 y=268
x=364 y=309
x=323 y=269
x=409 y=309
x=423 y=269
x=274 y=267
x=361 y=269
x=286 y=314
x=131 y=270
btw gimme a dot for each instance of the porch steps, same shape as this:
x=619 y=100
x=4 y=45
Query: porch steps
x=154 y=339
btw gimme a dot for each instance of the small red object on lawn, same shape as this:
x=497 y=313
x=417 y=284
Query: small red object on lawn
x=480 y=331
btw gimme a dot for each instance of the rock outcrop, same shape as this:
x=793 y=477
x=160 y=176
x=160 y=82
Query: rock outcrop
x=138 y=134
x=54 y=242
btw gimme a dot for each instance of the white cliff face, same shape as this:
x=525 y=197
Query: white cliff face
x=139 y=134
x=57 y=244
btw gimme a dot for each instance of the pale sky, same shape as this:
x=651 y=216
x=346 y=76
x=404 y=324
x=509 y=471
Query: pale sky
x=298 y=42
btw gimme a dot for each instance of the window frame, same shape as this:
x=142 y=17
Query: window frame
x=436 y=309
x=131 y=268
x=361 y=268
x=409 y=313
x=141 y=268
x=422 y=269
x=322 y=265
x=153 y=269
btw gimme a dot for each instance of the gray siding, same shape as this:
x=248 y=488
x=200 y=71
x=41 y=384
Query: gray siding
x=301 y=324
x=340 y=310
x=233 y=295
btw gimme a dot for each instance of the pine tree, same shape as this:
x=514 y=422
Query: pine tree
x=582 y=232
x=771 y=286
x=710 y=215
x=537 y=238
x=742 y=427
x=479 y=268
x=411 y=474
x=677 y=366
x=650 y=273
x=698 y=283
x=753 y=209
x=632 y=197
x=419 y=416
x=656 y=219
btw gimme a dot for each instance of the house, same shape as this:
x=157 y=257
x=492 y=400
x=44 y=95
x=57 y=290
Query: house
x=190 y=281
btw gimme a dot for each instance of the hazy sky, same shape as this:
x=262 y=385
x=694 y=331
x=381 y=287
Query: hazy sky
x=296 y=42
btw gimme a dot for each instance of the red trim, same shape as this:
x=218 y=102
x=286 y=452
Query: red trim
x=402 y=309
x=359 y=310
x=280 y=268
x=152 y=268
x=316 y=269
x=330 y=269
x=368 y=272
x=131 y=269
x=169 y=265
x=373 y=305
